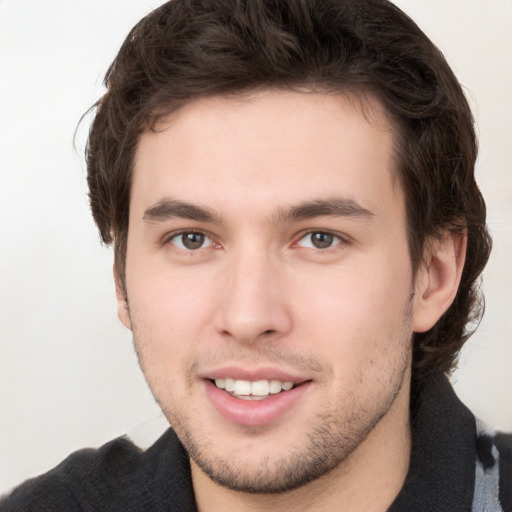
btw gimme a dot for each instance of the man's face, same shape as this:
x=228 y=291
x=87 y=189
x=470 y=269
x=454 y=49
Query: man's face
x=267 y=249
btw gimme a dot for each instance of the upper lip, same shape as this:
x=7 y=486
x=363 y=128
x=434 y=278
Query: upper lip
x=253 y=374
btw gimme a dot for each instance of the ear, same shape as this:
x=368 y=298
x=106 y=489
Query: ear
x=438 y=279
x=123 y=312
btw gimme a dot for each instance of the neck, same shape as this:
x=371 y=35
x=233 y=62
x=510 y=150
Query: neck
x=367 y=481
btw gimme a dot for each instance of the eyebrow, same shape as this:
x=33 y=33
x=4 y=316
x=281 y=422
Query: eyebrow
x=169 y=208
x=330 y=207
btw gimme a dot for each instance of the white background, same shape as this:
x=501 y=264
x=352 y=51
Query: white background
x=68 y=374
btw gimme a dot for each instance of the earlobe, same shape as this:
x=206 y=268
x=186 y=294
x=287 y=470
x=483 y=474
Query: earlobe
x=438 y=279
x=122 y=302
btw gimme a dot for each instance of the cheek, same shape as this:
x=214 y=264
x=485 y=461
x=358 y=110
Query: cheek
x=358 y=315
x=169 y=315
x=170 y=301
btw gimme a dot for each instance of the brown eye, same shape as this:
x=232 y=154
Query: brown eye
x=319 y=240
x=322 y=240
x=190 y=241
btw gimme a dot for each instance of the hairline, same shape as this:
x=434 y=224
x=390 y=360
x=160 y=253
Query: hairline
x=365 y=99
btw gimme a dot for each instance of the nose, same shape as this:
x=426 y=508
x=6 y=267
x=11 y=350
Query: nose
x=253 y=303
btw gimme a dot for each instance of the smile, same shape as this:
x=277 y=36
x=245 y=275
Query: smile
x=255 y=402
x=253 y=390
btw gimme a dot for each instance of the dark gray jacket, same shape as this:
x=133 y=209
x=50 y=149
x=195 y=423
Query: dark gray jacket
x=455 y=467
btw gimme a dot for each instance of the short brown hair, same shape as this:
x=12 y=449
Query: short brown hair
x=191 y=48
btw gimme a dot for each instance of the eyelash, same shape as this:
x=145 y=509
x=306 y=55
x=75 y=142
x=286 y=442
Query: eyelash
x=336 y=239
x=176 y=236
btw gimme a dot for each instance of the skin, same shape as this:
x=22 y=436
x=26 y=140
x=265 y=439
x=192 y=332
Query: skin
x=258 y=295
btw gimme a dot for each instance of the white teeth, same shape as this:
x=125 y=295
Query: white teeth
x=259 y=388
x=229 y=385
x=242 y=387
x=287 y=386
x=275 y=386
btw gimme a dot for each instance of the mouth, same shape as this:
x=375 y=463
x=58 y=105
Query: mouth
x=255 y=398
x=253 y=390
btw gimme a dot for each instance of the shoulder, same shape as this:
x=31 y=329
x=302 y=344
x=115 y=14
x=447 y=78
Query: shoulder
x=493 y=477
x=117 y=476
x=84 y=471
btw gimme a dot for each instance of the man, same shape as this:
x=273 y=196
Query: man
x=298 y=236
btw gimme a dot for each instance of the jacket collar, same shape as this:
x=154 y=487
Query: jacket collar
x=441 y=472
x=442 y=468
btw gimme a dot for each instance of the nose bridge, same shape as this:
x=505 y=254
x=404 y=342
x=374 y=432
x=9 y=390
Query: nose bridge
x=252 y=301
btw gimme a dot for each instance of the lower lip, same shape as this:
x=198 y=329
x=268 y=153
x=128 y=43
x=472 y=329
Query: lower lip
x=254 y=413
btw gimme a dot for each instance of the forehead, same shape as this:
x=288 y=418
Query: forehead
x=270 y=146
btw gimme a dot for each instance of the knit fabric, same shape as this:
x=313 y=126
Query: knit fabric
x=493 y=476
x=456 y=466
